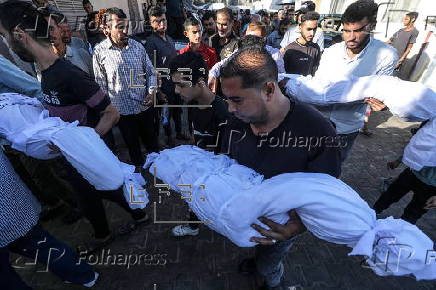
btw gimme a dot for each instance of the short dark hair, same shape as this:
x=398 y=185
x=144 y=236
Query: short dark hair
x=86 y=2
x=413 y=15
x=250 y=41
x=113 y=11
x=193 y=61
x=254 y=65
x=208 y=15
x=359 y=10
x=311 y=15
x=191 y=21
x=226 y=11
x=24 y=15
x=155 y=11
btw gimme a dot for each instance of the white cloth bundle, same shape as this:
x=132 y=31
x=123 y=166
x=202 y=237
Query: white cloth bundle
x=231 y=197
x=421 y=150
x=29 y=129
x=409 y=100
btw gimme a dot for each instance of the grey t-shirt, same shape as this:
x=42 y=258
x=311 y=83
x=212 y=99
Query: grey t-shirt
x=402 y=38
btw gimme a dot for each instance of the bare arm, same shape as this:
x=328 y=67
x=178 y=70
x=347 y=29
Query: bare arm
x=109 y=118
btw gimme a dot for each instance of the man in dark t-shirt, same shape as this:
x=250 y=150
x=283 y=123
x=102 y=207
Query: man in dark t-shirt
x=70 y=95
x=273 y=134
x=302 y=56
x=404 y=39
x=208 y=116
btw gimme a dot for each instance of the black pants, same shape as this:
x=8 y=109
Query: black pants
x=135 y=128
x=405 y=182
x=91 y=200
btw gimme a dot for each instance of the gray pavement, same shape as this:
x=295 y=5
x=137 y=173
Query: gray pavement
x=209 y=261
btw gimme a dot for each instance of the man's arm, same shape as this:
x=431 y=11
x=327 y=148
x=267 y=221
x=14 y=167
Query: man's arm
x=109 y=117
x=406 y=53
x=151 y=75
x=18 y=81
x=100 y=75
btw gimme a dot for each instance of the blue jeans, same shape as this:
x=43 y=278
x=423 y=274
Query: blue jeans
x=269 y=261
x=42 y=248
x=349 y=138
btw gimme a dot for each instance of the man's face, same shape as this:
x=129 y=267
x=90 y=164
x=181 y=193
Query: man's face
x=283 y=28
x=224 y=25
x=406 y=20
x=65 y=32
x=281 y=15
x=356 y=34
x=159 y=24
x=117 y=30
x=194 y=34
x=254 y=31
x=54 y=32
x=210 y=26
x=88 y=8
x=16 y=44
x=308 y=29
x=265 y=19
x=182 y=87
x=248 y=105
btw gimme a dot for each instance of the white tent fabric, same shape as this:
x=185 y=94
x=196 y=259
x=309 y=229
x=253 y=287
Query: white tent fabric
x=231 y=197
x=29 y=129
x=409 y=100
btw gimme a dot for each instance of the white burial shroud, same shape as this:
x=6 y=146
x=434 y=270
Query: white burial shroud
x=27 y=126
x=411 y=101
x=230 y=197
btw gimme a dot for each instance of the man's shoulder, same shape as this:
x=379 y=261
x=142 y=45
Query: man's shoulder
x=383 y=48
x=103 y=45
x=313 y=120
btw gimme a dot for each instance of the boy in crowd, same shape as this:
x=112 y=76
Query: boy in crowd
x=207 y=119
x=194 y=32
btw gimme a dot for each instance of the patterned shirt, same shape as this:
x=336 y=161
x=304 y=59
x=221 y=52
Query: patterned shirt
x=124 y=74
x=19 y=209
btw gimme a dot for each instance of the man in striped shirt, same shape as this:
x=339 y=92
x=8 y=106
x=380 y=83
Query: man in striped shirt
x=120 y=65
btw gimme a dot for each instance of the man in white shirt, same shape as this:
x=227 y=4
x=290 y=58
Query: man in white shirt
x=358 y=55
x=294 y=31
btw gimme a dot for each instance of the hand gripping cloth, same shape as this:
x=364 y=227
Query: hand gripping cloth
x=411 y=101
x=230 y=197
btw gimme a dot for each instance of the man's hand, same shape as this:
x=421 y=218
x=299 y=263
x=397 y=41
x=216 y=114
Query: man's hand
x=278 y=232
x=393 y=164
x=431 y=203
x=148 y=101
x=375 y=104
x=53 y=149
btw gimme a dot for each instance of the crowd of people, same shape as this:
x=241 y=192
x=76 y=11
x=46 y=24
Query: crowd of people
x=227 y=74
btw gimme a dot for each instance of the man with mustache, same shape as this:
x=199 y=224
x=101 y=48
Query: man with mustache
x=225 y=41
x=302 y=56
x=125 y=72
x=358 y=55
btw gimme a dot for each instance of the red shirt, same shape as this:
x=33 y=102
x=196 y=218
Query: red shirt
x=208 y=53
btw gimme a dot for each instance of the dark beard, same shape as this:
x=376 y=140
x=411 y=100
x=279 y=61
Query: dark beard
x=22 y=52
